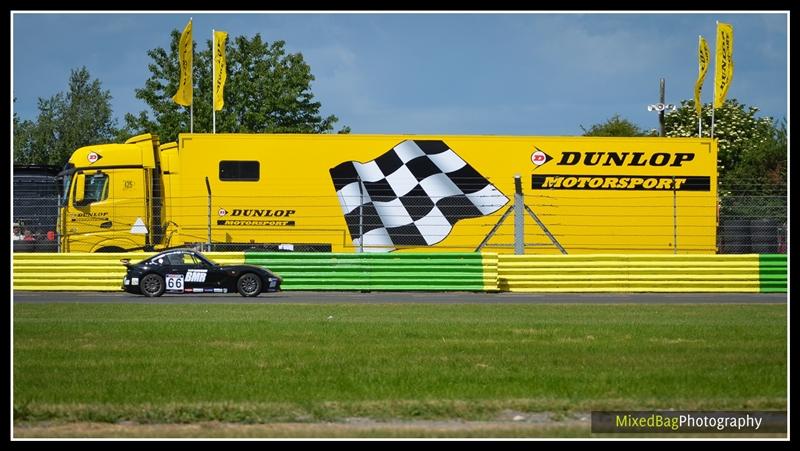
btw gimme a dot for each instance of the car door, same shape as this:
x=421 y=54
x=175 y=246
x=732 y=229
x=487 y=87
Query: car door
x=215 y=277
x=193 y=271
x=175 y=273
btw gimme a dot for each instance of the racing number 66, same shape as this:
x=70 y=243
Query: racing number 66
x=174 y=282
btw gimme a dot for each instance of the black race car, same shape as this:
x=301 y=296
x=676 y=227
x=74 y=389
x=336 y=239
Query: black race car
x=189 y=271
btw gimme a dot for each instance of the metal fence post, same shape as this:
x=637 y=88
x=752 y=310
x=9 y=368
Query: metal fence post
x=208 y=188
x=674 y=217
x=519 y=217
x=360 y=215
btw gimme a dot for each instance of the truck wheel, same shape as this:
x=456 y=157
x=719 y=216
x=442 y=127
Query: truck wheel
x=249 y=285
x=152 y=285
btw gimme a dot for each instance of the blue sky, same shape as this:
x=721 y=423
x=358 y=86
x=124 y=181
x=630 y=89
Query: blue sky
x=434 y=73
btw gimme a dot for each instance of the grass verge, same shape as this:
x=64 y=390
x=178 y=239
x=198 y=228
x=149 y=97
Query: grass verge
x=268 y=363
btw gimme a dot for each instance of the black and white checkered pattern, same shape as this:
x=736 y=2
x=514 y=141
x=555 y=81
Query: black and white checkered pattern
x=412 y=195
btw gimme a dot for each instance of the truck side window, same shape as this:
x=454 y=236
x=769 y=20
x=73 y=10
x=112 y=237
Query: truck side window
x=95 y=189
x=239 y=171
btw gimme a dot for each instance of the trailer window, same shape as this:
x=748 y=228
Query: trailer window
x=240 y=171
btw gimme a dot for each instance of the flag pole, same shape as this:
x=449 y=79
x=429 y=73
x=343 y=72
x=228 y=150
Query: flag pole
x=213 y=81
x=714 y=100
x=191 y=103
x=700 y=117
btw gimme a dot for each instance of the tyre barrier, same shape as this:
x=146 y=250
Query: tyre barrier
x=735 y=236
x=764 y=235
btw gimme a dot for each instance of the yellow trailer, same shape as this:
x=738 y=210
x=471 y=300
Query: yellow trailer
x=382 y=193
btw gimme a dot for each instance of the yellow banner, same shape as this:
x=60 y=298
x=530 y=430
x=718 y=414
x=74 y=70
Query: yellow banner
x=184 y=94
x=723 y=70
x=220 y=68
x=703 y=58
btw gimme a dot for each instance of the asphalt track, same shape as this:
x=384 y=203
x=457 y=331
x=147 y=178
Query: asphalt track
x=312 y=297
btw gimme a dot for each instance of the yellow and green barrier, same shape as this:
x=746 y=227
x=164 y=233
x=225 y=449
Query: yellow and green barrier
x=773 y=273
x=441 y=271
x=379 y=272
x=84 y=272
x=642 y=273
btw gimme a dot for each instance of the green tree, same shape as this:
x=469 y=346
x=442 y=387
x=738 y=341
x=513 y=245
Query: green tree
x=66 y=121
x=616 y=126
x=752 y=156
x=23 y=132
x=266 y=91
x=738 y=131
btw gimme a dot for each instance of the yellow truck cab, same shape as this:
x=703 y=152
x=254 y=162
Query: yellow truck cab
x=382 y=193
x=106 y=189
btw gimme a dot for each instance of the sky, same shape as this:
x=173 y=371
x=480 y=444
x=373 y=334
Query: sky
x=475 y=73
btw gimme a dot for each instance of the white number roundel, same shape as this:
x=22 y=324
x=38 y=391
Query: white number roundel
x=174 y=282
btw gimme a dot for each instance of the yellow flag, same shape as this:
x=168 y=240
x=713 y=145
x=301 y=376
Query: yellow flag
x=703 y=57
x=723 y=69
x=220 y=68
x=184 y=94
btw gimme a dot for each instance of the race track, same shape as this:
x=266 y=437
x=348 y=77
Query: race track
x=310 y=297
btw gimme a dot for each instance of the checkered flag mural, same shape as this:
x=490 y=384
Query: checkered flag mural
x=412 y=195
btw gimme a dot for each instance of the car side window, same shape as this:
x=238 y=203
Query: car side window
x=176 y=259
x=157 y=261
x=191 y=259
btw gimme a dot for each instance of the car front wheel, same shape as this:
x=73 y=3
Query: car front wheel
x=152 y=285
x=249 y=285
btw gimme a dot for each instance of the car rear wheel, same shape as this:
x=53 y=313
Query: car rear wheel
x=152 y=285
x=249 y=285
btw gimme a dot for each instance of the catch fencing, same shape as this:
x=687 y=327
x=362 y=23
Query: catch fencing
x=748 y=221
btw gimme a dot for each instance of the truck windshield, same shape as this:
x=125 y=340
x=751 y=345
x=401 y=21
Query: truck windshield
x=65 y=190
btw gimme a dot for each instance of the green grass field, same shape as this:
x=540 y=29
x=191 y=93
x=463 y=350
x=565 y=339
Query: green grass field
x=263 y=363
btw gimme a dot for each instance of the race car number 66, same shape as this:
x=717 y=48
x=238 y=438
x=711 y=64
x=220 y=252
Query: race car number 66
x=175 y=282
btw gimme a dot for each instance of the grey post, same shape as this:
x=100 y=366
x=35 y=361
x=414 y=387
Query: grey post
x=360 y=215
x=674 y=217
x=662 y=129
x=208 y=188
x=519 y=217
x=660 y=107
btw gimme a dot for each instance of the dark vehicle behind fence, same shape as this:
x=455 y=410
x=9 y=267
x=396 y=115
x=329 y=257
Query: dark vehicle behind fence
x=35 y=204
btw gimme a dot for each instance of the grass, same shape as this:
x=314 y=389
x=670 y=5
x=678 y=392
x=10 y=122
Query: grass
x=248 y=364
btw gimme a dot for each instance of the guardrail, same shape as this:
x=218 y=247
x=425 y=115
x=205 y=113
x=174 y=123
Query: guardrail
x=441 y=271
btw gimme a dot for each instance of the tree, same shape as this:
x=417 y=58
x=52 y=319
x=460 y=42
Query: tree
x=66 y=121
x=738 y=131
x=266 y=91
x=616 y=126
x=23 y=132
x=752 y=156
